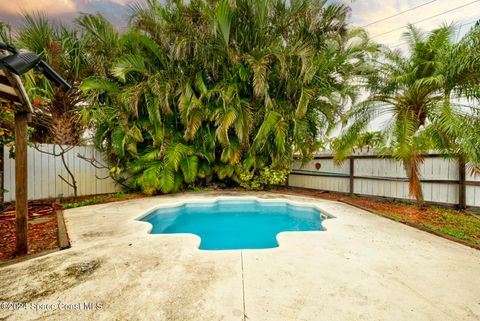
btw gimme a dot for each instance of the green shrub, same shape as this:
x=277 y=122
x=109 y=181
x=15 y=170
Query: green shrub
x=265 y=179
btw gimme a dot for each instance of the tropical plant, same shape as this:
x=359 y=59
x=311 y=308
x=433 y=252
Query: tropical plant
x=203 y=90
x=55 y=118
x=369 y=140
x=7 y=126
x=5 y=32
x=430 y=97
x=57 y=121
x=267 y=178
x=7 y=114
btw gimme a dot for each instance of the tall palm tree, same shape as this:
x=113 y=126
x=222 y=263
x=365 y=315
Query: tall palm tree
x=431 y=97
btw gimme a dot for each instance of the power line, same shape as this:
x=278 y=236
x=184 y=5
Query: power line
x=397 y=14
x=422 y=20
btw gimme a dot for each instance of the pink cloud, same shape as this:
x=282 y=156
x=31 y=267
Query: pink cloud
x=52 y=7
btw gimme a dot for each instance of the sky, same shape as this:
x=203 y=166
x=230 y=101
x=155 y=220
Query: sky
x=116 y=11
x=374 y=16
x=364 y=12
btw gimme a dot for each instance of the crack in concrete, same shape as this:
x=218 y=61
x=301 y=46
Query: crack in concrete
x=243 y=288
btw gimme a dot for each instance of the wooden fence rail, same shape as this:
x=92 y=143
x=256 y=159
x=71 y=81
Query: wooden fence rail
x=44 y=170
x=444 y=181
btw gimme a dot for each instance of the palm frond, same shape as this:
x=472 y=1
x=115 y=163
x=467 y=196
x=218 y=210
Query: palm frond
x=129 y=63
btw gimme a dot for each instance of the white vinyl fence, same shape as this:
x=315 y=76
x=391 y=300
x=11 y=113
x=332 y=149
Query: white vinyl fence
x=43 y=171
x=385 y=177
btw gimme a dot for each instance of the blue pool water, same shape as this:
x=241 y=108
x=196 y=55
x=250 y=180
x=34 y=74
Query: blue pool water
x=234 y=224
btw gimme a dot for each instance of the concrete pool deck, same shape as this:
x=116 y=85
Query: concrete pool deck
x=364 y=267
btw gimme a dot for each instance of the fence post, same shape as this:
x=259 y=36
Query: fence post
x=352 y=172
x=462 y=204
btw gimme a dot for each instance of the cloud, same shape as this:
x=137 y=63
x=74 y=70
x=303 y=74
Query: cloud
x=65 y=10
x=18 y=6
x=114 y=10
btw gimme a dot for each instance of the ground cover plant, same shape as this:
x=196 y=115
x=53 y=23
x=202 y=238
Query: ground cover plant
x=98 y=199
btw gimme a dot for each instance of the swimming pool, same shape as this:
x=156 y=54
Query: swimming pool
x=235 y=224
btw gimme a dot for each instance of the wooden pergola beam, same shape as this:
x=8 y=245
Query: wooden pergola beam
x=9 y=97
x=22 y=101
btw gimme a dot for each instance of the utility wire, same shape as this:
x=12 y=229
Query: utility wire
x=397 y=14
x=422 y=20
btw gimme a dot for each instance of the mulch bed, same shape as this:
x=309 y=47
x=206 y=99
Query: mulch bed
x=406 y=211
x=42 y=229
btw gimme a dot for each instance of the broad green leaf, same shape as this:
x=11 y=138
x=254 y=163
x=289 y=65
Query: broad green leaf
x=224 y=15
x=189 y=169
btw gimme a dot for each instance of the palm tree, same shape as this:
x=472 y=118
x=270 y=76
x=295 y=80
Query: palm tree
x=56 y=119
x=431 y=97
x=206 y=90
x=369 y=140
x=5 y=32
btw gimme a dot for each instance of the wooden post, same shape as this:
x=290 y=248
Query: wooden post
x=462 y=204
x=352 y=173
x=21 y=176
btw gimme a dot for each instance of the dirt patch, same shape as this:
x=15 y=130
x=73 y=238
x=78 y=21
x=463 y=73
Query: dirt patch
x=80 y=270
x=93 y=235
x=45 y=282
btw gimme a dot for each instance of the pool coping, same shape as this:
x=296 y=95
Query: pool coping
x=325 y=215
